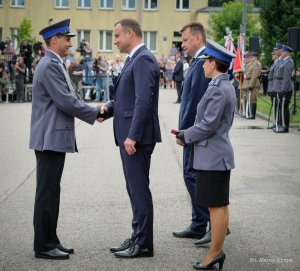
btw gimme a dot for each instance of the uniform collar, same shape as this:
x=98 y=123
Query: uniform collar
x=219 y=77
x=58 y=56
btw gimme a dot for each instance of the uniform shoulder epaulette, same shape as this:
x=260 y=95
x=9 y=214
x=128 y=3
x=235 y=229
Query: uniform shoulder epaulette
x=54 y=60
x=216 y=83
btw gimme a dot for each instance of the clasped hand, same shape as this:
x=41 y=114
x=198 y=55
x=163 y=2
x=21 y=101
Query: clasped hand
x=102 y=110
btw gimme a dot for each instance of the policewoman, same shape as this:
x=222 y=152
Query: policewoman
x=52 y=134
x=212 y=155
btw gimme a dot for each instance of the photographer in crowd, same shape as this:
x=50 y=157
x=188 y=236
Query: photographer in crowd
x=26 y=53
x=20 y=70
x=76 y=71
x=101 y=68
x=10 y=58
x=86 y=51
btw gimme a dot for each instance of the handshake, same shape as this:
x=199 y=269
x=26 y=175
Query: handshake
x=103 y=114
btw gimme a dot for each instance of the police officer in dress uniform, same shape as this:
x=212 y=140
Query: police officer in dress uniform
x=212 y=155
x=271 y=90
x=284 y=89
x=252 y=83
x=52 y=134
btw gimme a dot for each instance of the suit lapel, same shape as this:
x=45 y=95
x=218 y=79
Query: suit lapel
x=128 y=63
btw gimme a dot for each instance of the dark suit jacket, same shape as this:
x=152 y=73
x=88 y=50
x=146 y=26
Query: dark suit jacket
x=194 y=87
x=178 y=71
x=135 y=107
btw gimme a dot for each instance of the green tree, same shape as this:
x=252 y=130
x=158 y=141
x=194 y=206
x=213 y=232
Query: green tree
x=276 y=16
x=231 y=16
x=24 y=31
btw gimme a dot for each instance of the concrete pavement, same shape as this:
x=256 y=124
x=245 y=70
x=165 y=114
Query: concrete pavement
x=95 y=211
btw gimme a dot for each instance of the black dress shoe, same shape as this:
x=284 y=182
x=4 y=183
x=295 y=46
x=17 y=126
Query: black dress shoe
x=218 y=259
x=135 y=251
x=54 y=254
x=281 y=129
x=68 y=250
x=207 y=239
x=127 y=243
x=189 y=233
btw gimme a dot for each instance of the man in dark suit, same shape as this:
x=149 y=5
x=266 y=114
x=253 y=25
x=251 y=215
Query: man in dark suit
x=136 y=130
x=178 y=75
x=194 y=87
x=52 y=134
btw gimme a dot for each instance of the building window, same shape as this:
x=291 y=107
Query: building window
x=1 y=3
x=150 y=4
x=13 y=35
x=150 y=41
x=106 y=4
x=84 y=4
x=128 y=4
x=83 y=35
x=105 y=41
x=183 y=4
x=18 y=3
x=62 y=3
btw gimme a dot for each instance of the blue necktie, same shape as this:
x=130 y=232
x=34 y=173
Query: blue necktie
x=126 y=63
x=193 y=61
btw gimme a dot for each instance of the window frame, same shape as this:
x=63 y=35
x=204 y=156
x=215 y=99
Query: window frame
x=180 y=8
x=83 y=1
x=106 y=8
x=127 y=5
x=149 y=6
x=81 y=35
x=147 y=44
x=61 y=6
x=13 y=35
x=105 y=50
x=17 y=5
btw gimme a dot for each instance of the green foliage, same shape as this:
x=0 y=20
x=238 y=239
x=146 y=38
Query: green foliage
x=231 y=16
x=24 y=31
x=264 y=106
x=276 y=17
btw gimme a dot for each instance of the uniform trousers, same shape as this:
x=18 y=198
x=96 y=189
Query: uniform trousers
x=136 y=171
x=284 y=102
x=200 y=214
x=49 y=170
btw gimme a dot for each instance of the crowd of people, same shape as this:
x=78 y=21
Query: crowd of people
x=17 y=68
x=93 y=78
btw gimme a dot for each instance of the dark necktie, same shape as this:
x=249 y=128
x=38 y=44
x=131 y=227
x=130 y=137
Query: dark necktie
x=193 y=61
x=126 y=63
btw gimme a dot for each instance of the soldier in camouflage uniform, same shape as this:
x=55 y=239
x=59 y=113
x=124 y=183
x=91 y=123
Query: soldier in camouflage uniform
x=251 y=82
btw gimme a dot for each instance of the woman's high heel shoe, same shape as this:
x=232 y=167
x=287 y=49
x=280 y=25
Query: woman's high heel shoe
x=218 y=259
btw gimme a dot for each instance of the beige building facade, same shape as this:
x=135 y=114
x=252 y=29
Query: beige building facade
x=93 y=20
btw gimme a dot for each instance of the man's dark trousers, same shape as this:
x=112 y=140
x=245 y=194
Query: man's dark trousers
x=200 y=215
x=136 y=169
x=178 y=88
x=49 y=170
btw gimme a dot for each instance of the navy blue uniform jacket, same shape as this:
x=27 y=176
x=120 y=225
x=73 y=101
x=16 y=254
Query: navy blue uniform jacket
x=194 y=87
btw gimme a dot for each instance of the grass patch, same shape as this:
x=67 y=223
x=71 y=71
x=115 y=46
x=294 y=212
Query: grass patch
x=264 y=105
